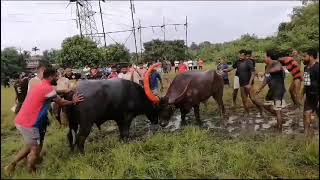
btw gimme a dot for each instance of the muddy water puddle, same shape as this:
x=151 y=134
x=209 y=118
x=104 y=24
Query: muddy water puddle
x=237 y=123
x=232 y=124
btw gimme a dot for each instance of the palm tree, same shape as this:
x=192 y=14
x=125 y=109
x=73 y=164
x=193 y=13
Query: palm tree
x=35 y=49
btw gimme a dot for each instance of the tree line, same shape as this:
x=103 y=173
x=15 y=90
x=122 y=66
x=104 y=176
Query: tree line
x=300 y=33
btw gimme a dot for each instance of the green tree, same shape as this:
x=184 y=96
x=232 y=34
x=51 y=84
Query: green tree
x=11 y=62
x=164 y=50
x=51 y=56
x=77 y=52
x=302 y=31
x=115 y=53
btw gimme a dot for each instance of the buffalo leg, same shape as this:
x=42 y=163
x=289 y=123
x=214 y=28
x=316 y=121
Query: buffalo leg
x=218 y=98
x=124 y=130
x=82 y=136
x=124 y=126
x=72 y=136
x=183 y=116
x=197 y=114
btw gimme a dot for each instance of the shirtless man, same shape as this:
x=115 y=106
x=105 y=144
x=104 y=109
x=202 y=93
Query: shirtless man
x=274 y=77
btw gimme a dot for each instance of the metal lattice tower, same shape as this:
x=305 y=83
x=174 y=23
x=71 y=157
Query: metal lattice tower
x=86 y=20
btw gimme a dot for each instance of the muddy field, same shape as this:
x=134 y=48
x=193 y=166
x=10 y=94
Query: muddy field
x=240 y=147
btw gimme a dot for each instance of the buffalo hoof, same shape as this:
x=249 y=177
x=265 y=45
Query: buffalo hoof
x=199 y=123
x=124 y=139
x=184 y=123
x=81 y=151
x=71 y=149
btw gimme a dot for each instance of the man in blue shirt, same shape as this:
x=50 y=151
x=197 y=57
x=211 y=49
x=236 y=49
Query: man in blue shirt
x=155 y=76
x=222 y=66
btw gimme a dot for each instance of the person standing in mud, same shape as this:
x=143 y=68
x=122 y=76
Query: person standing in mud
x=246 y=72
x=274 y=77
x=311 y=89
x=236 y=85
x=292 y=64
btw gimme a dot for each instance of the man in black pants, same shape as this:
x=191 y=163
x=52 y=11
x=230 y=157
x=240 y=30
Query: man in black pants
x=274 y=77
x=246 y=72
x=311 y=89
x=236 y=85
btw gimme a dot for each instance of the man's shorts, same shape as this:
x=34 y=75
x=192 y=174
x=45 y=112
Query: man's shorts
x=277 y=105
x=31 y=136
x=236 y=84
x=311 y=103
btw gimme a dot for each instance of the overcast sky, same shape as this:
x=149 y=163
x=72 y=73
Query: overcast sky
x=25 y=24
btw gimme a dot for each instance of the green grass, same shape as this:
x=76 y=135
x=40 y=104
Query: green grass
x=189 y=153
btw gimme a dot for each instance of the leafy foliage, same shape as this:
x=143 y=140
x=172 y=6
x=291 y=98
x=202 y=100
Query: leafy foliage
x=300 y=33
x=78 y=52
x=164 y=50
x=51 y=56
x=115 y=53
x=11 y=62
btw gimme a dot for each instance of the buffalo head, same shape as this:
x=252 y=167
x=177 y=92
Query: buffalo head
x=165 y=105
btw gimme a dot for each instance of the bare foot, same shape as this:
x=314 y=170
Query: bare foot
x=8 y=170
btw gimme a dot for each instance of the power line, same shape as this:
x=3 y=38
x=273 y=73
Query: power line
x=128 y=37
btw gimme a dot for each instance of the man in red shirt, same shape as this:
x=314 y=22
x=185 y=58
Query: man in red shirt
x=32 y=119
x=182 y=67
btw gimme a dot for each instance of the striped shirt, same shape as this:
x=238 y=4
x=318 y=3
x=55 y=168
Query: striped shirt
x=292 y=66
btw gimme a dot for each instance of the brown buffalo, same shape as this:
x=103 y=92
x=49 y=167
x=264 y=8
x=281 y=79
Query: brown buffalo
x=187 y=91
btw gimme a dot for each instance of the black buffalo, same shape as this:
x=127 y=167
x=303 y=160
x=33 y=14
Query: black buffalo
x=119 y=100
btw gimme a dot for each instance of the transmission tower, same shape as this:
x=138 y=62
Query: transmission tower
x=86 y=21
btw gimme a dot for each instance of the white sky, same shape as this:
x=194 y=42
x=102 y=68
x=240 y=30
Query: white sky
x=25 y=24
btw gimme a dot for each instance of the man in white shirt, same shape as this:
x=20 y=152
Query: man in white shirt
x=176 y=65
x=190 y=65
x=86 y=71
x=195 y=64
